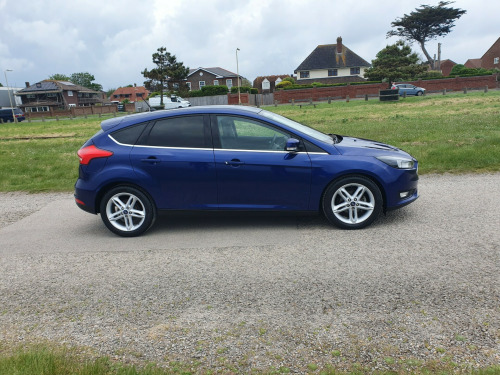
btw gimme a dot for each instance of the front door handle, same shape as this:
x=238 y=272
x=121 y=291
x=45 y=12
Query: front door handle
x=234 y=162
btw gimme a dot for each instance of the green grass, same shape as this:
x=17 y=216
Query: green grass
x=46 y=360
x=455 y=133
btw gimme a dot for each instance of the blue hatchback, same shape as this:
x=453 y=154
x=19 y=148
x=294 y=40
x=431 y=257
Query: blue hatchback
x=236 y=158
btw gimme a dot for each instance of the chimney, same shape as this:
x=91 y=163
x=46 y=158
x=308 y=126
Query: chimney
x=135 y=84
x=339 y=44
x=27 y=84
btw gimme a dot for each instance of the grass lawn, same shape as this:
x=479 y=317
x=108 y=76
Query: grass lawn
x=455 y=133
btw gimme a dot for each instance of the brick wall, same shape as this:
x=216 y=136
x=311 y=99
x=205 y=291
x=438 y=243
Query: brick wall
x=359 y=91
x=232 y=99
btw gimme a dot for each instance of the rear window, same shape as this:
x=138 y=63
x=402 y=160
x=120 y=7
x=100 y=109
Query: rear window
x=186 y=132
x=128 y=136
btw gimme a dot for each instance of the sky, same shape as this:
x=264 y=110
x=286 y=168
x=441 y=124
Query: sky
x=114 y=40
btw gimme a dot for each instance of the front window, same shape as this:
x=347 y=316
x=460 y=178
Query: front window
x=202 y=84
x=216 y=82
x=229 y=83
x=297 y=126
x=304 y=74
x=188 y=85
x=238 y=133
x=332 y=72
x=70 y=93
x=495 y=60
x=355 y=71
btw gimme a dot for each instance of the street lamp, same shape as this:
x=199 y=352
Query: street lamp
x=238 y=73
x=8 y=93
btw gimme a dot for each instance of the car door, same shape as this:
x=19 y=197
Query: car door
x=253 y=169
x=174 y=157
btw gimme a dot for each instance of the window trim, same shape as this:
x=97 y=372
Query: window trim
x=304 y=74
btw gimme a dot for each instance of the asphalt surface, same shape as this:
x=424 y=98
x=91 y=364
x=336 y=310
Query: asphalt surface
x=421 y=283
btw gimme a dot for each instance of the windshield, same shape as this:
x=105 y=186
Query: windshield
x=298 y=126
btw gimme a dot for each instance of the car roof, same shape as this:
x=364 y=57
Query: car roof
x=149 y=116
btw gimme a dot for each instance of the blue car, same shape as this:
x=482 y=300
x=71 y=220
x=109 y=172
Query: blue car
x=407 y=89
x=236 y=158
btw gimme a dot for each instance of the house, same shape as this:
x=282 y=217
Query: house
x=132 y=93
x=267 y=84
x=197 y=78
x=331 y=63
x=50 y=94
x=446 y=66
x=490 y=60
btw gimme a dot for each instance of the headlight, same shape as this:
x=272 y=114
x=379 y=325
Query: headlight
x=397 y=162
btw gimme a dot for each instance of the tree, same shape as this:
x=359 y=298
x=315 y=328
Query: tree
x=395 y=62
x=426 y=23
x=168 y=70
x=60 y=77
x=85 y=79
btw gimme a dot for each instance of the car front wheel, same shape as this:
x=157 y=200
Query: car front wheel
x=419 y=93
x=127 y=211
x=352 y=202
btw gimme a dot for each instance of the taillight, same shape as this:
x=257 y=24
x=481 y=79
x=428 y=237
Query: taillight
x=88 y=153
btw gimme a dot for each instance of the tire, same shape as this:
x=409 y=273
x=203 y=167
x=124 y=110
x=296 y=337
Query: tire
x=352 y=202
x=419 y=93
x=127 y=211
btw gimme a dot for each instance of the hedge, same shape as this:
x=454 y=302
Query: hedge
x=209 y=91
x=244 y=89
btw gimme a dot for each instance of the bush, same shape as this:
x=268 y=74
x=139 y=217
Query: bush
x=244 y=89
x=284 y=84
x=289 y=79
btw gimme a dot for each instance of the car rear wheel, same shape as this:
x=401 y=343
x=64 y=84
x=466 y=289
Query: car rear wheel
x=352 y=202
x=127 y=211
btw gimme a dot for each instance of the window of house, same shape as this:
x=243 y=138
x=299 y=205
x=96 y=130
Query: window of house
x=127 y=95
x=495 y=60
x=333 y=72
x=355 y=70
x=229 y=83
x=216 y=82
x=139 y=94
x=202 y=84
x=188 y=85
x=31 y=96
x=304 y=74
x=116 y=96
x=186 y=132
x=70 y=93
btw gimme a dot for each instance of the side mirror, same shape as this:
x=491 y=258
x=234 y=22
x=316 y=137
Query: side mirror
x=292 y=145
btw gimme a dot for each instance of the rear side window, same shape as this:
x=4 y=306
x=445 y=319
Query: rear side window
x=128 y=136
x=186 y=132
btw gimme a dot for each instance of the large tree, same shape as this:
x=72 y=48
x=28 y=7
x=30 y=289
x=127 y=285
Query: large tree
x=85 y=79
x=59 y=77
x=395 y=62
x=426 y=23
x=168 y=71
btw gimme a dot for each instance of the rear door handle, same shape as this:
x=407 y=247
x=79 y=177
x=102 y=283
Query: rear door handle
x=151 y=160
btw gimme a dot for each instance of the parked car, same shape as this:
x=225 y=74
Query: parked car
x=6 y=115
x=236 y=158
x=169 y=102
x=408 y=89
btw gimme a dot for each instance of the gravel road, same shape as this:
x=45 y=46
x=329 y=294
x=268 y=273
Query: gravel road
x=421 y=284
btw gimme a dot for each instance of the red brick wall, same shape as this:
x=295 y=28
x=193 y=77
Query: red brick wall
x=353 y=91
x=232 y=99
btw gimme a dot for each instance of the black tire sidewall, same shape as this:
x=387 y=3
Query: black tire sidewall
x=148 y=207
x=337 y=184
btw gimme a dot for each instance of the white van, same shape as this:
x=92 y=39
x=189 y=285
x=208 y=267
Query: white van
x=169 y=102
